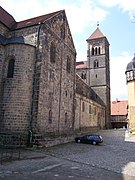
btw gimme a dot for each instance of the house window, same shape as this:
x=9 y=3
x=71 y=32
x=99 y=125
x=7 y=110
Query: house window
x=10 y=72
x=68 y=64
x=52 y=53
x=50 y=117
x=83 y=107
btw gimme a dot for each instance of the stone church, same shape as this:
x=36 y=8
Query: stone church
x=44 y=92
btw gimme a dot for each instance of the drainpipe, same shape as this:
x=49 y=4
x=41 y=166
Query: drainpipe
x=30 y=131
x=62 y=56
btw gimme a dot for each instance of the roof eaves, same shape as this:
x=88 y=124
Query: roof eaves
x=36 y=20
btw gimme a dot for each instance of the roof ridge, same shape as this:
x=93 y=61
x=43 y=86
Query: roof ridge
x=36 y=20
x=40 y=16
x=96 y=34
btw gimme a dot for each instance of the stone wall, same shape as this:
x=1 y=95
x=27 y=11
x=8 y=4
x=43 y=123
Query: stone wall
x=89 y=116
x=16 y=92
x=89 y=113
x=57 y=85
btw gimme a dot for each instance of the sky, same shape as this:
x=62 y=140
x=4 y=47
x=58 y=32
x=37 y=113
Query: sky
x=116 y=22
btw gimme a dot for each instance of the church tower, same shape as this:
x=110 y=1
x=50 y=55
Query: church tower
x=98 y=69
x=130 y=78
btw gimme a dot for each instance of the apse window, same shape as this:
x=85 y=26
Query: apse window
x=10 y=72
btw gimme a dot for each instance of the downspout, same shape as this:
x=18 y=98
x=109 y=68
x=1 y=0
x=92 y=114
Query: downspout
x=80 y=114
x=60 y=91
x=30 y=131
x=74 y=98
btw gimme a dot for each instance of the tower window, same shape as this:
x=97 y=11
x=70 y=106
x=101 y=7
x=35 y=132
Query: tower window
x=10 y=72
x=93 y=51
x=96 y=64
x=96 y=50
x=99 y=50
x=83 y=75
x=52 y=53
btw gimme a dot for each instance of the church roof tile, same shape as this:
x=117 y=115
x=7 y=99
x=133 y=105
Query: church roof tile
x=96 y=34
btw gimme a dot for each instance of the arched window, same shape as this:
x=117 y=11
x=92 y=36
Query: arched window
x=66 y=118
x=68 y=64
x=83 y=107
x=96 y=64
x=93 y=51
x=10 y=72
x=52 y=53
x=83 y=75
x=96 y=51
x=50 y=117
x=99 y=50
x=89 y=109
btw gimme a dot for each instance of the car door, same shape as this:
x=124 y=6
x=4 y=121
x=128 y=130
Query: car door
x=90 y=139
x=84 y=139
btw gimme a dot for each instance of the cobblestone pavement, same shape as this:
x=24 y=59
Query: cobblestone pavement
x=114 y=159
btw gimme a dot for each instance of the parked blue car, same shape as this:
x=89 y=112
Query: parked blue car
x=91 y=139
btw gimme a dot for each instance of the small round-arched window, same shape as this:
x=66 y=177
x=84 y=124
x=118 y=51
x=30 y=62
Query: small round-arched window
x=10 y=71
x=96 y=64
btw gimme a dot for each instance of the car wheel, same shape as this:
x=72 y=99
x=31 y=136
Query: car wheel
x=94 y=143
x=78 y=141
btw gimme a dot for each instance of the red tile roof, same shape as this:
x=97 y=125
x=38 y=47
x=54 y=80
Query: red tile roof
x=36 y=20
x=6 y=18
x=81 y=64
x=119 y=108
x=96 y=34
x=10 y=22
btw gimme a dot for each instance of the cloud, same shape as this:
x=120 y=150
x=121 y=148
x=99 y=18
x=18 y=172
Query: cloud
x=125 y=5
x=80 y=13
x=117 y=74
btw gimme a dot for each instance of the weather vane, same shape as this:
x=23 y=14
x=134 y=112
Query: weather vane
x=97 y=23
